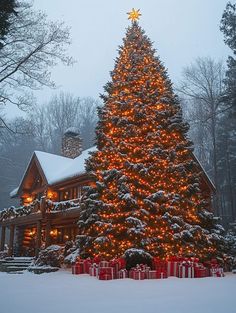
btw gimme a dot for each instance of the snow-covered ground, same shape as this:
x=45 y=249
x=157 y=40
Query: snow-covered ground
x=62 y=292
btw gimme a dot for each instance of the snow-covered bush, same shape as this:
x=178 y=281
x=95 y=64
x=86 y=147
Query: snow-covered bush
x=51 y=256
x=3 y=254
x=137 y=256
x=230 y=238
x=71 y=253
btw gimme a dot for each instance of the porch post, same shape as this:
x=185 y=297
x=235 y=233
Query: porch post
x=38 y=238
x=43 y=206
x=11 y=241
x=47 y=234
x=3 y=236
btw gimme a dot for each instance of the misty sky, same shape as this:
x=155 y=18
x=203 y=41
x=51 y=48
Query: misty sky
x=181 y=31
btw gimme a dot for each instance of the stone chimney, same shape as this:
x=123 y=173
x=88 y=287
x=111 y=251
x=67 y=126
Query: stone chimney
x=71 y=143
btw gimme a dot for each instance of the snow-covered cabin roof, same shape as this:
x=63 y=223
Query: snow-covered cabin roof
x=14 y=192
x=51 y=164
x=57 y=168
x=74 y=168
x=207 y=177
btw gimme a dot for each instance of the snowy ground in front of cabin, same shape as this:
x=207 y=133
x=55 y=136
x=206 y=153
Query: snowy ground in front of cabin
x=62 y=292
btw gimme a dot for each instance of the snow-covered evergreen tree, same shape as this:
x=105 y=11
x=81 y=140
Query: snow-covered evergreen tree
x=147 y=193
x=228 y=28
x=227 y=130
x=231 y=240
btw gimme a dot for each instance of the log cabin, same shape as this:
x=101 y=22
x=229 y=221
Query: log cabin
x=49 y=193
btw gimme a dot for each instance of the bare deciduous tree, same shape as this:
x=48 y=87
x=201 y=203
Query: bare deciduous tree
x=88 y=120
x=63 y=111
x=202 y=87
x=15 y=151
x=32 y=46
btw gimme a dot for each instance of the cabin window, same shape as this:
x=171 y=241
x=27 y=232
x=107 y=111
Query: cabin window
x=66 y=195
x=71 y=193
x=74 y=193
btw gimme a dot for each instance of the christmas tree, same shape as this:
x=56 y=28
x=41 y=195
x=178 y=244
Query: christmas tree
x=146 y=194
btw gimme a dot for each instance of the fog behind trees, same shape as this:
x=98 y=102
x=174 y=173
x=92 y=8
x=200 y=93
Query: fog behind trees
x=42 y=130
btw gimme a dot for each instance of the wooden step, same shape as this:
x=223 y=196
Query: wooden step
x=17 y=264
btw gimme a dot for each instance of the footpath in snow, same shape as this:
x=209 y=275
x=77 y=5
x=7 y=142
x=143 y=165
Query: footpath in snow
x=62 y=292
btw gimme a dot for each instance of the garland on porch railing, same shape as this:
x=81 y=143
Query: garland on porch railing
x=62 y=205
x=34 y=207
x=24 y=210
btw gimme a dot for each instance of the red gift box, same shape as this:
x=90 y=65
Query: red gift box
x=152 y=274
x=87 y=263
x=117 y=264
x=123 y=274
x=156 y=274
x=159 y=264
x=173 y=268
x=104 y=264
x=161 y=274
x=217 y=272
x=106 y=271
x=78 y=268
x=186 y=270
x=105 y=277
x=96 y=259
x=93 y=270
x=121 y=262
x=200 y=272
x=137 y=274
x=194 y=260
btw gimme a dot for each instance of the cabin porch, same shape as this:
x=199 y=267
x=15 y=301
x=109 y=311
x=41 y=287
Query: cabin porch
x=39 y=224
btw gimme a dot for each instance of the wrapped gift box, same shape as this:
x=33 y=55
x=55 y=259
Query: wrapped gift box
x=105 y=277
x=173 y=268
x=122 y=274
x=217 y=272
x=200 y=272
x=157 y=274
x=104 y=264
x=194 y=260
x=96 y=259
x=186 y=270
x=93 y=270
x=87 y=263
x=118 y=263
x=103 y=271
x=78 y=268
x=161 y=274
x=152 y=274
x=159 y=264
x=114 y=263
x=137 y=274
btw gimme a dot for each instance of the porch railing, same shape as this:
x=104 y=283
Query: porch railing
x=62 y=205
x=43 y=205
x=24 y=210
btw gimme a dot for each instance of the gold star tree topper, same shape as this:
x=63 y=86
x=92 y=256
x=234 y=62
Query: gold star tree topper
x=134 y=15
